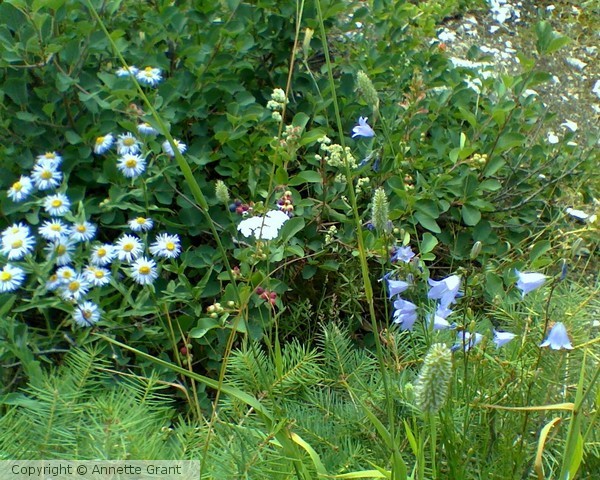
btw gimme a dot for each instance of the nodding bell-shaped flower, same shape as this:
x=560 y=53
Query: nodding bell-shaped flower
x=558 y=338
x=405 y=314
x=444 y=290
x=395 y=287
x=502 y=338
x=363 y=129
x=529 y=281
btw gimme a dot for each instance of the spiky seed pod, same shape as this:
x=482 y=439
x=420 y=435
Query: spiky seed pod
x=221 y=192
x=380 y=212
x=365 y=86
x=432 y=385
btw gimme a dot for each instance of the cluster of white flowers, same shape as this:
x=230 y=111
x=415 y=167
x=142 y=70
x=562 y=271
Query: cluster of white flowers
x=149 y=76
x=334 y=154
x=132 y=162
x=80 y=265
x=277 y=102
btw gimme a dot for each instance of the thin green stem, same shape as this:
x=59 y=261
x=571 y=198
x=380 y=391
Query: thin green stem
x=399 y=467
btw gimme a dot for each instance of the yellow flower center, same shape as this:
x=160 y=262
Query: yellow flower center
x=46 y=175
x=17 y=186
x=148 y=69
x=140 y=220
x=145 y=270
x=81 y=228
x=128 y=247
x=101 y=252
x=131 y=163
x=57 y=203
x=50 y=155
x=61 y=250
x=53 y=278
x=99 y=140
x=56 y=227
x=86 y=313
x=17 y=244
x=128 y=141
x=99 y=274
x=5 y=277
x=170 y=246
x=74 y=286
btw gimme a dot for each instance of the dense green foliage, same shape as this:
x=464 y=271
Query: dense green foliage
x=465 y=176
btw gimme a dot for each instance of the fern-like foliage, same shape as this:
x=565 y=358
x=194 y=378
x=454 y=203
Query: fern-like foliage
x=81 y=411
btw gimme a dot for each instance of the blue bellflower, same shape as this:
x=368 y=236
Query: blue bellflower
x=444 y=290
x=395 y=287
x=502 y=338
x=529 y=281
x=405 y=314
x=558 y=338
x=404 y=254
x=362 y=129
x=439 y=318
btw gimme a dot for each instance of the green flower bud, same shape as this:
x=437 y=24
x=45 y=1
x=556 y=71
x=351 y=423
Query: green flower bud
x=380 y=211
x=367 y=90
x=476 y=250
x=221 y=192
x=432 y=385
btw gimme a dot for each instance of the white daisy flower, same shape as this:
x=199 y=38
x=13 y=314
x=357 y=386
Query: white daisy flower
x=102 y=255
x=131 y=166
x=103 y=143
x=57 y=205
x=146 y=129
x=61 y=251
x=16 y=246
x=45 y=175
x=83 y=232
x=53 y=157
x=16 y=229
x=128 y=248
x=97 y=276
x=86 y=314
x=65 y=275
x=149 y=76
x=144 y=271
x=54 y=229
x=21 y=189
x=54 y=282
x=166 y=146
x=263 y=228
x=166 y=246
x=127 y=143
x=75 y=289
x=141 y=224
x=11 y=278
x=126 y=72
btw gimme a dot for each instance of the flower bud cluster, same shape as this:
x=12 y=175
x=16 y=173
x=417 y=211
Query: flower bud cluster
x=241 y=208
x=361 y=183
x=285 y=203
x=267 y=295
x=277 y=102
x=290 y=136
x=479 y=160
x=334 y=154
x=330 y=235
